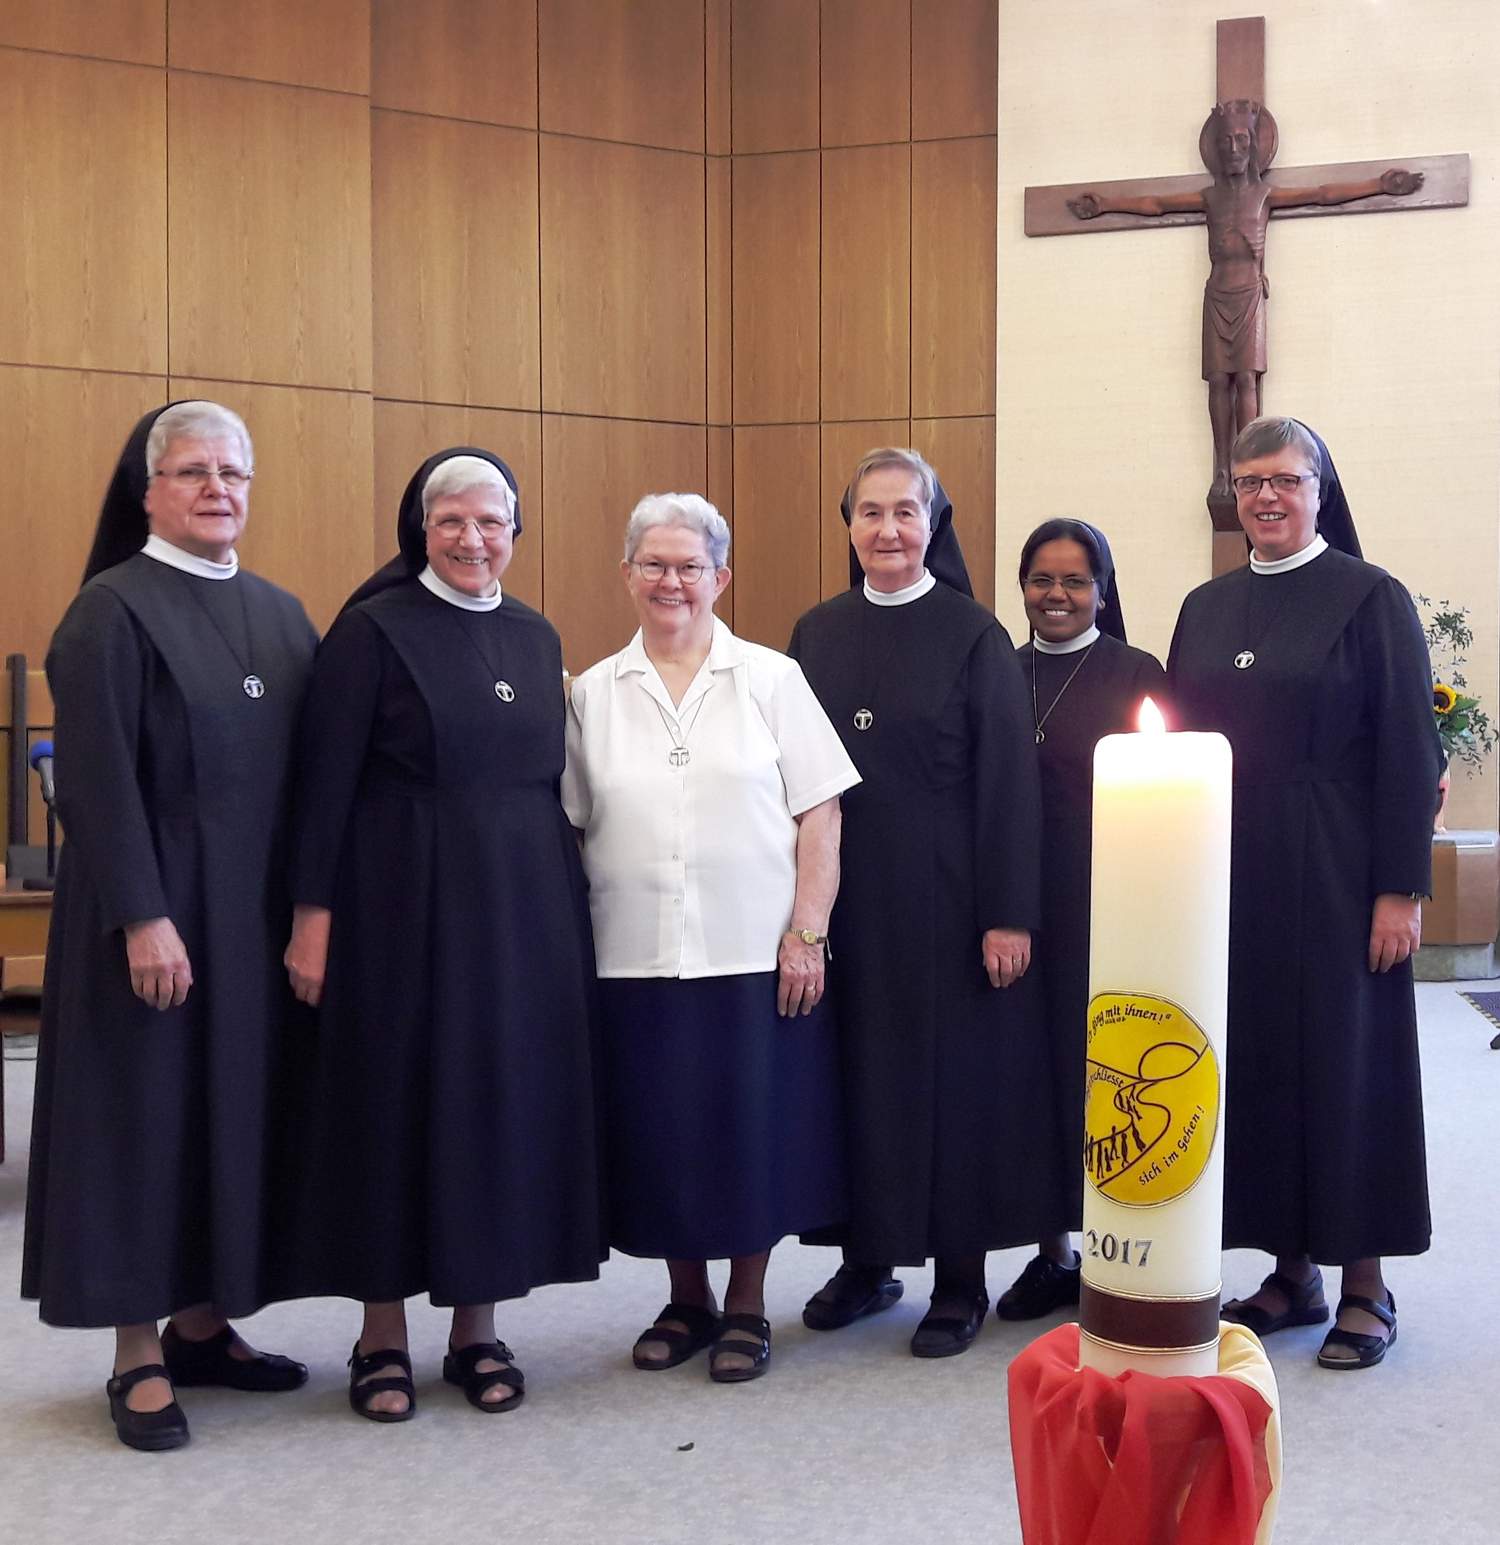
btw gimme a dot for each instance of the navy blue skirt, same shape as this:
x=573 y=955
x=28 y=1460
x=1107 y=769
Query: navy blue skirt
x=724 y=1126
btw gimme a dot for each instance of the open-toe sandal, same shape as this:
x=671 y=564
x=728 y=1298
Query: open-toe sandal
x=702 y=1330
x=946 y=1335
x=149 y=1431
x=362 y=1387
x=758 y=1350
x=850 y=1294
x=462 y=1368
x=1300 y=1308
x=1368 y=1350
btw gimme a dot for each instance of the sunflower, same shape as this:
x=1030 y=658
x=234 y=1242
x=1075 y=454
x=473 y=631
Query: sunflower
x=1444 y=698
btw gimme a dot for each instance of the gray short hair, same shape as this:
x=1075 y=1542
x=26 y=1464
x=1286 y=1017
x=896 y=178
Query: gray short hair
x=690 y=511
x=904 y=460
x=1269 y=434
x=459 y=474
x=184 y=419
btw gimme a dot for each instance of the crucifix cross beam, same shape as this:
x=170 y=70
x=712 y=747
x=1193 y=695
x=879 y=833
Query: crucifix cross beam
x=1237 y=201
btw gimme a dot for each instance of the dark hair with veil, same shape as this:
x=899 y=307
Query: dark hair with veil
x=1111 y=618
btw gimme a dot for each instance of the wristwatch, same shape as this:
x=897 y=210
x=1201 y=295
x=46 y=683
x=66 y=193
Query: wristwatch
x=808 y=936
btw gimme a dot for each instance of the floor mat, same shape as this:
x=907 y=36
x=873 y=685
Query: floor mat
x=1488 y=1004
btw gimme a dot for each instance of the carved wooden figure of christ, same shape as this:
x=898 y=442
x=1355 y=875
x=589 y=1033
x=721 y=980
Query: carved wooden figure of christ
x=1237 y=144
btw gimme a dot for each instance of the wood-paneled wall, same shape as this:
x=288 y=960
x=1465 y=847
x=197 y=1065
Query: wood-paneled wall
x=630 y=244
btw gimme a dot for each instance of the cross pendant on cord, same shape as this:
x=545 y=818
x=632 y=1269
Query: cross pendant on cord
x=1237 y=144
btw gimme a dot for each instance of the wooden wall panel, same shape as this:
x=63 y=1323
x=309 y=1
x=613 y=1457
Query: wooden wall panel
x=720 y=493
x=309 y=526
x=774 y=75
x=720 y=291
x=134 y=31
x=953 y=278
x=962 y=450
x=866 y=71
x=473 y=59
x=454 y=258
x=716 y=80
x=954 y=68
x=776 y=482
x=594 y=471
x=293 y=42
x=842 y=447
x=622 y=281
x=275 y=285
x=776 y=288
x=83 y=250
x=623 y=72
x=407 y=433
x=60 y=436
x=866 y=300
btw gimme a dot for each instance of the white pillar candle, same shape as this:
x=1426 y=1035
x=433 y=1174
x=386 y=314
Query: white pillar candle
x=1154 y=1080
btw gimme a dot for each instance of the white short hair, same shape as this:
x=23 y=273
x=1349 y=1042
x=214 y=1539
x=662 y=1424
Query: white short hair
x=459 y=474
x=690 y=511
x=196 y=419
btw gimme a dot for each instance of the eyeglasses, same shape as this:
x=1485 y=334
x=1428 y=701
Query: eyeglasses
x=1074 y=584
x=199 y=477
x=452 y=527
x=1283 y=482
x=652 y=570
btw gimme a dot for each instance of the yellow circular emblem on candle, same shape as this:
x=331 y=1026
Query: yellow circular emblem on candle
x=1151 y=1099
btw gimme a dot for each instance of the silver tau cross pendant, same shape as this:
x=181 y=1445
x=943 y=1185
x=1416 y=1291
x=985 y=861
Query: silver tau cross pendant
x=863 y=719
x=1041 y=735
x=253 y=686
x=679 y=756
x=1244 y=660
x=505 y=692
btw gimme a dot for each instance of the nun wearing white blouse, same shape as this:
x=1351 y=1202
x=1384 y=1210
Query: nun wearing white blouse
x=704 y=781
x=441 y=930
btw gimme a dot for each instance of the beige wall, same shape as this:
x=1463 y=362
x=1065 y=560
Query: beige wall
x=1384 y=329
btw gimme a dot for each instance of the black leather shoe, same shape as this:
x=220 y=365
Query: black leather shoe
x=853 y=1292
x=211 y=1362
x=149 y=1431
x=942 y=1335
x=1042 y=1287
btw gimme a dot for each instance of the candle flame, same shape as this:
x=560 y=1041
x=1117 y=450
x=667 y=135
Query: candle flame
x=1150 y=721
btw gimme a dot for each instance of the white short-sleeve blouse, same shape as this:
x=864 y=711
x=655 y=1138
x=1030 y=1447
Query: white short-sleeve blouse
x=693 y=868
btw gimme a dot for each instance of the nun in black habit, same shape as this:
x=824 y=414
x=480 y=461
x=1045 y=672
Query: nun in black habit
x=945 y=1075
x=177 y=679
x=1313 y=663
x=442 y=929
x=1085 y=682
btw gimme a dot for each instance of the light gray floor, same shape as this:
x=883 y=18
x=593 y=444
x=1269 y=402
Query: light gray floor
x=848 y=1438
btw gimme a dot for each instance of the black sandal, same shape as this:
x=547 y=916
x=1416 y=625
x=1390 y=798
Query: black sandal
x=362 y=1386
x=461 y=1367
x=1300 y=1309
x=850 y=1294
x=149 y=1431
x=702 y=1330
x=945 y=1335
x=1368 y=1350
x=211 y=1362
x=758 y=1351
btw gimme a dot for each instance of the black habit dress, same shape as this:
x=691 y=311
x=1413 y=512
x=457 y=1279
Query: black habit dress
x=1335 y=777
x=1102 y=699
x=946 y=1081
x=452 y=1136
x=154 y=1147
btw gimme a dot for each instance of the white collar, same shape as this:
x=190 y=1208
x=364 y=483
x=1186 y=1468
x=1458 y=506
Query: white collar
x=913 y=592
x=163 y=551
x=1314 y=549
x=1071 y=646
x=460 y=598
x=724 y=654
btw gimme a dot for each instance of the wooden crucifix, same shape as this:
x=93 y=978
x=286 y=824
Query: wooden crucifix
x=1237 y=143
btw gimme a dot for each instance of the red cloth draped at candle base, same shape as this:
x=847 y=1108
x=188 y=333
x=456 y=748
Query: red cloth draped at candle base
x=1139 y=1460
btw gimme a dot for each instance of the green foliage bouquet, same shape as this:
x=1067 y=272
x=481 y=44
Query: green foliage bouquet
x=1463 y=726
